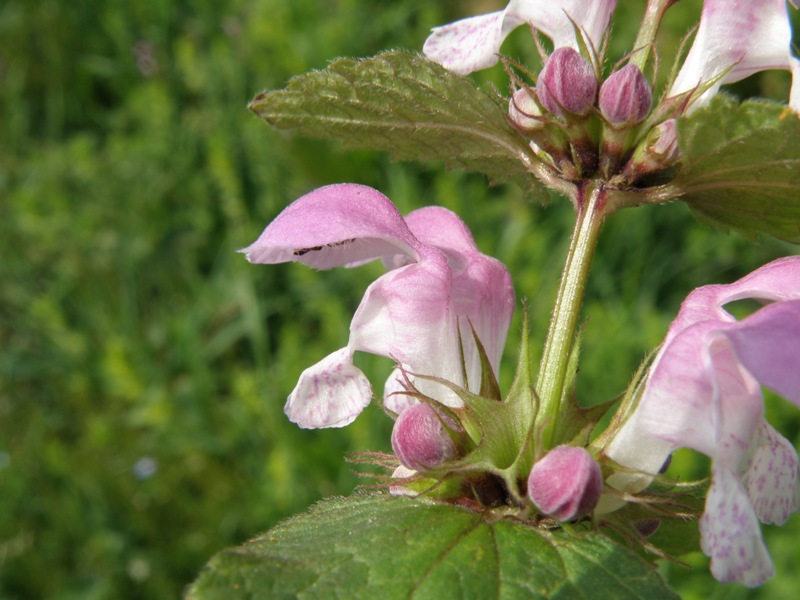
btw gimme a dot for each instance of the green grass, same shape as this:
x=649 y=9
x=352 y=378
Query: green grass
x=130 y=172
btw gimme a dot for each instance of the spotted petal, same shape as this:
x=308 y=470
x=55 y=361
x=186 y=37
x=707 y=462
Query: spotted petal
x=730 y=533
x=703 y=392
x=771 y=476
x=331 y=393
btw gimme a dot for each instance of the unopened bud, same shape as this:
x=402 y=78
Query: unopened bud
x=566 y=484
x=625 y=97
x=523 y=111
x=567 y=83
x=658 y=151
x=420 y=439
x=665 y=146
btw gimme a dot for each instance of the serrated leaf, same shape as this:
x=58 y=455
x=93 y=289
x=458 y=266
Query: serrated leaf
x=388 y=547
x=741 y=167
x=412 y=107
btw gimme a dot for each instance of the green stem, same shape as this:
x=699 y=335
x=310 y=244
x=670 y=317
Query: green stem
x=648 y=30
x=593 y=207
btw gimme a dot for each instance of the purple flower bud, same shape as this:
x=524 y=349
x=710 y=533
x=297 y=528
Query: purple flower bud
x=523 y=110
x=625 y=97
x=567 y=83
x=420 y=439
x=566 y=484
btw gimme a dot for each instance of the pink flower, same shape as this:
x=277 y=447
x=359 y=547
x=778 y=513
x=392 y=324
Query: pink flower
x=472 y=44
x=704 y=393
x=438 y=284
x=742 y=37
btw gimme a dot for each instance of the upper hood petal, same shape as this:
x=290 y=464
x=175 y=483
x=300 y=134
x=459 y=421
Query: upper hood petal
x=334 y=226
x=774 y=282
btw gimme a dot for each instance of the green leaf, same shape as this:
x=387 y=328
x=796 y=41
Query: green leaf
x=741 y=167
x=412 y=107
x=505 y=427
x=389 y=547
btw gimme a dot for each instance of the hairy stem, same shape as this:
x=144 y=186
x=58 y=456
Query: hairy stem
x=648 y=30
x=592 y=207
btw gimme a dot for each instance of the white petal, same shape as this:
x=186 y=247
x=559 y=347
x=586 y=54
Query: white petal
x=730 y=533
x=407 y=315
x=473 y=44
x=638 y=449
x=331 y=393
x=794 y=96
x=698 y=396
x=740 y=36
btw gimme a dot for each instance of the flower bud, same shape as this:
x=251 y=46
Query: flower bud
x=420 y=439
x=625 y=97
x=566 y=484
x=665 y=146
x=567 y=83
x=523 y=111
x=658 y=151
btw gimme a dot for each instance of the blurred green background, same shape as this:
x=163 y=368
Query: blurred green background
x=144 y=364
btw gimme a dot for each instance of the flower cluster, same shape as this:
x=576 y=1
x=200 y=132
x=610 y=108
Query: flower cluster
x=442 y=312
x=561 y=113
